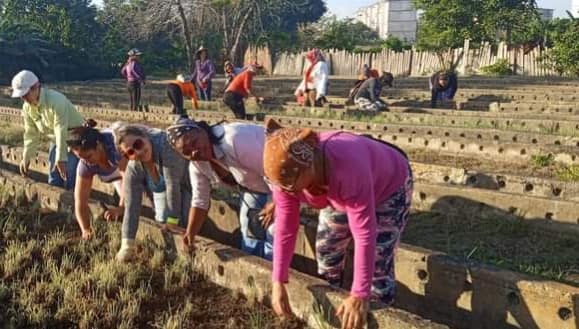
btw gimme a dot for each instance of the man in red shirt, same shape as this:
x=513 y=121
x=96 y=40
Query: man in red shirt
x=240 y=88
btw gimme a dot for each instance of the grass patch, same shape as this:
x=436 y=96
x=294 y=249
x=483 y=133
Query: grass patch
x=569 y=174
x=542 y=161
x=509 y=243
x=51 y=279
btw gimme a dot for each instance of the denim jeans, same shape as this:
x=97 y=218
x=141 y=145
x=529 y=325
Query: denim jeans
x=54 y=178
x=261 y=248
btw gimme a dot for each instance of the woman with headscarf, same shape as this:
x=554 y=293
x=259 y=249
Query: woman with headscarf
x=179 y=88
x=98 y=157
x=230 y=72
x=369 y=180
x=155 y=168
x=367 y=96
x=204 y=73
x=133 y=72
x=313 y=88
x=229 y=155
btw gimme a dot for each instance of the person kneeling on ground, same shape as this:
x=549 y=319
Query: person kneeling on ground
x=370 y=180
x=49 y=113
x=313 y=88
x=368 y=96
x=155 y=168
x=98 y=156
x=240 y=88
x=443 y=87
x=229 y=155
x=177 y=89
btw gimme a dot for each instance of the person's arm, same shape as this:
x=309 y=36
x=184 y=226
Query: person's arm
x=247 y=85
x=133 y=188
x=453 y=85
x=211 y=74
x=200 y=201
x=287 y=221
x=63 y=110
x=31 y=137
x=174 y=169
x=361 y=211
x=82 y=188
x=124 y=70
x=371 y=85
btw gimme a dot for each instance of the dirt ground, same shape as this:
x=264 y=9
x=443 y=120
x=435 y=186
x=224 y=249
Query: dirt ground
x=51 y=279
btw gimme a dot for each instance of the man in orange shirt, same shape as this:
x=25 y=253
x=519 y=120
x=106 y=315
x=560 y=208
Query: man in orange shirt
x=177 y=89
x=240 y=88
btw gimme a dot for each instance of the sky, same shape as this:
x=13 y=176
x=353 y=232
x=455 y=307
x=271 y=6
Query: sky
x=345 y=8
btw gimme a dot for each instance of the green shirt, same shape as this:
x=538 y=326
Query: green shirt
x=52 y=117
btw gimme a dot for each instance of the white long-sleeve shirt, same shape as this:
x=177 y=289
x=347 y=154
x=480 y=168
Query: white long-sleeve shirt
x=241 y=152
x=320 y=76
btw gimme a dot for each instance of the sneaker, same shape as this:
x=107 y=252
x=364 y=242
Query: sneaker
x=127 y=252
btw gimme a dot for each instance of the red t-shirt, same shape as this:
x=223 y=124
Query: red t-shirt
x=241 y=84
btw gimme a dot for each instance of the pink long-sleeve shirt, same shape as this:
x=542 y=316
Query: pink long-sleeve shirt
x=363 y=174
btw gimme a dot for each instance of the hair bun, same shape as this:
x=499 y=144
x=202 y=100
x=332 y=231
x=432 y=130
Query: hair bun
x=90 y=123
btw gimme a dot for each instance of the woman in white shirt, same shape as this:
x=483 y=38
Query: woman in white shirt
x=313 y=89
x=226 y=155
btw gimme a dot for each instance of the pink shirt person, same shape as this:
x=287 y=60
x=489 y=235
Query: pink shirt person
x=364 y=173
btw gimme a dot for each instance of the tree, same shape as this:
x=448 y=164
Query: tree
x=563 y=56
x=343 y=34
x=445 y=24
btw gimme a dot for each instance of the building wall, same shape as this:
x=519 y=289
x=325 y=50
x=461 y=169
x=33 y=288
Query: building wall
x=390 y=17
x=575 y=8
x=546 y=14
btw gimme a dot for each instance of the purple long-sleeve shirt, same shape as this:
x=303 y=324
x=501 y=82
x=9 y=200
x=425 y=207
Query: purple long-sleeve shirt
x=204 y=70
x=133 y=71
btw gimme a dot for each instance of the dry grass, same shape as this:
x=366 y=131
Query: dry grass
x=508 y=243
x=51 y=279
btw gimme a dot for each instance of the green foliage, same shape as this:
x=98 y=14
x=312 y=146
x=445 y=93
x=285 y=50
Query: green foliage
x=342 y=34
x=563 y=56
x=500 y=68
x=396 y=44
x=541 y=160
x=569 y=174
x=446 y=23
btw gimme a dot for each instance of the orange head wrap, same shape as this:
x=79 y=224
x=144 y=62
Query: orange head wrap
x=287 y=152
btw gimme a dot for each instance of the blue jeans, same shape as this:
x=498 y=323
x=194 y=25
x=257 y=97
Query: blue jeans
x=249 y=245
x=54 y=178
x=205 y=95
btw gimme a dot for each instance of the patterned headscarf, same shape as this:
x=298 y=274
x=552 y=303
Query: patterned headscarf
x=182 y=125
x=287 y=151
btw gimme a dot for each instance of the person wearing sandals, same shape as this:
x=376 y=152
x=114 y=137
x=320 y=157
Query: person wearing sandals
x=227 y=155
x=98 y=157
x=370 y=180
x=155 y=168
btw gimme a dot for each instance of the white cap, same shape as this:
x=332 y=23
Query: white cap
x=22 y=82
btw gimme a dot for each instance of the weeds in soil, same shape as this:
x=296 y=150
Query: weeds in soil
x=49 y=278
x=569 y=174
x=542 y=160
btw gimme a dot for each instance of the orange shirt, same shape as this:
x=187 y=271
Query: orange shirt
x=241 y=84
x=188 y=90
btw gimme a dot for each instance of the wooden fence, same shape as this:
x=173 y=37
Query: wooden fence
x=409 y=63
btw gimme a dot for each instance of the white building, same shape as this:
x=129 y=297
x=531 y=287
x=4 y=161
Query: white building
x=390 y=18
x=546 y=14
x=575 y=8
